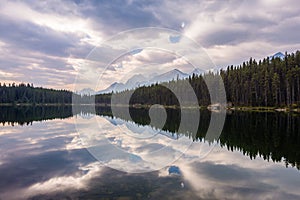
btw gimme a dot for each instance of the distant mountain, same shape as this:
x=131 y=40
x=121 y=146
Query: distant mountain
x=168 y=76
x=136 y=81
x=278 y=55
x=140 y=80
x=116 y=87
x=133 y=82
x=86 y=91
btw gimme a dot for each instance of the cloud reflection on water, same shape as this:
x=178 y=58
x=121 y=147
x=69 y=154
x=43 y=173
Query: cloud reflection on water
x=48 y=160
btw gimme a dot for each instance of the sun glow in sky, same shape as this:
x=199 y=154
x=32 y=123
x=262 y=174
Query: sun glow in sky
x=41 y=42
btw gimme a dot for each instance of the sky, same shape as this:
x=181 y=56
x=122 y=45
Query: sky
x=43 y=42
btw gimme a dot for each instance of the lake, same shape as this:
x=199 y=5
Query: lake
x=50 y=153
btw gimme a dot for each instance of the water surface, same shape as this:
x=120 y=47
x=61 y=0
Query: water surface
x=42 y=157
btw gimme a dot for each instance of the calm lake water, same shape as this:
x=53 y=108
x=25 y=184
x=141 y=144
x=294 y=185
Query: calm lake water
x=42 y=156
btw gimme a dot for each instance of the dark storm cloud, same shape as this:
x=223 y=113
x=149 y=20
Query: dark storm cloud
x=224 y=37
x=121 y=15
x=287 y=33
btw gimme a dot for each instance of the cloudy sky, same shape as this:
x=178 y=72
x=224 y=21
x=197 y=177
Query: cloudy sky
x=41 y=42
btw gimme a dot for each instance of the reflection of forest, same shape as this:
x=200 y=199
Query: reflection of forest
x=25 y=115
x=272 y=136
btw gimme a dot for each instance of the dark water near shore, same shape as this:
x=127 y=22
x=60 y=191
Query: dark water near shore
x=42 y=156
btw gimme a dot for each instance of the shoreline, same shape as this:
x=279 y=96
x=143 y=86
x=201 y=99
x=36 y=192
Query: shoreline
x=233 y=108
x=32 y=105
x=263 y=109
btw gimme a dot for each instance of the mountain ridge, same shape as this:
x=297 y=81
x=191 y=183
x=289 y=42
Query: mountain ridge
x=138 y=80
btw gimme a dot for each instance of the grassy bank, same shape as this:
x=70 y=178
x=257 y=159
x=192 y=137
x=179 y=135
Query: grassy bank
x=264 y=109
x=238 y=108
x=31 y=104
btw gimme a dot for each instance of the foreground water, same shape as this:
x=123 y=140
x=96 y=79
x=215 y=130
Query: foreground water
x=42 y=156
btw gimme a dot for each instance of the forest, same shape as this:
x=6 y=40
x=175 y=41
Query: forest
x=271 y=82
x=28 y=94
x=268 y=82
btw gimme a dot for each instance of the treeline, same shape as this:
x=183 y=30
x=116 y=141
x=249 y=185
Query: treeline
x=28 y=94
x=268 y=82
x=163 y=94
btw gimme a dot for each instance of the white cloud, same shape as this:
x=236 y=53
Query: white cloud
x=62 y=22
x=5 y=75
x=230 y=31
x=59 y=184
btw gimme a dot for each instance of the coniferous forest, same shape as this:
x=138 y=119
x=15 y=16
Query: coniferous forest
x=28 y=94
x=269 y=82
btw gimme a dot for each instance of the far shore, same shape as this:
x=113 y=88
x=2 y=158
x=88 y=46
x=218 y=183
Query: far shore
x=264 y=109
x=232 y=108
